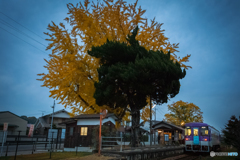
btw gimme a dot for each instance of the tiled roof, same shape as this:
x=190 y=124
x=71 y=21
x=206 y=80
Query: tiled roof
x=12 y=114
x=168 y=124
x=153 y=122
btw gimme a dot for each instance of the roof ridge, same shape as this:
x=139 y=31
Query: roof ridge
x=14 y=115
x=56 y=112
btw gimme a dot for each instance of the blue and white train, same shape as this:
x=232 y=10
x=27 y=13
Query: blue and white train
x=201 y=137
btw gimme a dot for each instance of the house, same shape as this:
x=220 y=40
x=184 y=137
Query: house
x=43 y=124
x=15 y=123
x=145 y=130
x=162 y=132
x=146 y=126
x=169 y=133
x=79 y=130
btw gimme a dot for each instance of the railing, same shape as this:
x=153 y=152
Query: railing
x=102 y=141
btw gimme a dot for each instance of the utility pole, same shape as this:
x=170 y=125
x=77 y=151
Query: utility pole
x=150 y=121
x=155 y=123
x=51 y=123
x=52 y=114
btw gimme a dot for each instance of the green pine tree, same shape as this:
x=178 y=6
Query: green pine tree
x=129 y=74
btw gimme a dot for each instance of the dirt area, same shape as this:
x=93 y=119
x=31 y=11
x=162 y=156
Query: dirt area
x=92 y=157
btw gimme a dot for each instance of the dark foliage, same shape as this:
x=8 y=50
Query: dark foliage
x=104 y=132
x=128 y=74
x=31 y=120
x=231 y=133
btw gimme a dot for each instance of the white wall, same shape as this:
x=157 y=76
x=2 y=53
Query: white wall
x=94 y=121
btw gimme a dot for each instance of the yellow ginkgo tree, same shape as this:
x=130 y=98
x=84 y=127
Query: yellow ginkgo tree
x=72 y=72
x=183 y=112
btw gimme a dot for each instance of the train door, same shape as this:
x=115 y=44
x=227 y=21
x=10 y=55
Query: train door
x=195 y=136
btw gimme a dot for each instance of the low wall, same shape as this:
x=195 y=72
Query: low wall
x=127 y=143
x=79 y=149
x=147 y=153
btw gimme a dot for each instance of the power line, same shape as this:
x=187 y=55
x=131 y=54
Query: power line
x=160 y=112
x=22 y=40
x=21 y=25
x=7 y=24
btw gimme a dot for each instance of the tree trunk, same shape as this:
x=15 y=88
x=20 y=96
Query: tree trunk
x=135 y=129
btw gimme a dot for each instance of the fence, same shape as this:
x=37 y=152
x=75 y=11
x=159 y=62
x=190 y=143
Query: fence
x=144 y=140
x=105 y=140
x=19 y=142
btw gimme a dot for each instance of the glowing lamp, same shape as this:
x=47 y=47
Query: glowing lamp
x=205 y=139
x=186 y=139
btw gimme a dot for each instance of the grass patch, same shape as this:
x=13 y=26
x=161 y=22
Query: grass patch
x=44 y=156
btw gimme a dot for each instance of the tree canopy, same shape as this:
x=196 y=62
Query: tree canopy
x=129 y=74
x=183 y=112
x=72 y=72
x=31 y=120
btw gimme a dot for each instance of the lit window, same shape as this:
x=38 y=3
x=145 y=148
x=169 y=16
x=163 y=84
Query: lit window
x=187 y=131
x=170 y=135
x=204 y=131
x=83 y=131
x=195 y=132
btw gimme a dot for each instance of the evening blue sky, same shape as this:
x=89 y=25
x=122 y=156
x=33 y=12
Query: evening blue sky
x=208 y=30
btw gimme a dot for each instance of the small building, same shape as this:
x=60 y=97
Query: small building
x=146 y=126
x=43 y=124
x=168 y=133
x=15 y=123
x=79 y=130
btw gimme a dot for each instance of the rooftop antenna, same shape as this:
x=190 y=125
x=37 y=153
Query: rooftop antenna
x=42 y=112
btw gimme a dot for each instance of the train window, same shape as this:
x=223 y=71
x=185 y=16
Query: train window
x=195 y=132
x=204 y=131
x=187 y=131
